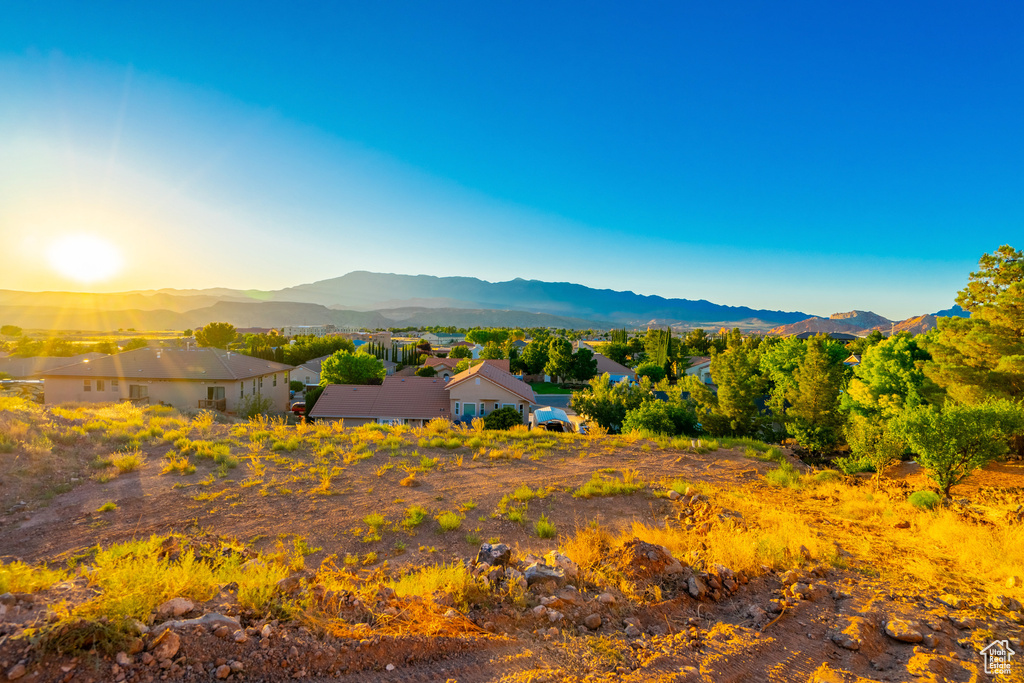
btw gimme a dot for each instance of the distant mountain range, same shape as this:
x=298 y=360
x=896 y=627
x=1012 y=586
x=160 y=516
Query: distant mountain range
x=865 y=322
x=379 y=300
x=373 y=300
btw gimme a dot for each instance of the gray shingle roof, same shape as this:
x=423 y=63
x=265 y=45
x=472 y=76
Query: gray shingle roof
x=194 y=364
x=419 y=398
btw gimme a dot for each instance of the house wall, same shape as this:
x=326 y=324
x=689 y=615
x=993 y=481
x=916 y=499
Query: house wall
x=487 y=393
x=305 y=375
x=181 y=394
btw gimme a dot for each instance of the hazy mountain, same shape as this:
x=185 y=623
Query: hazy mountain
x=859 y=323
x=566 y=304
x=463 y=317
x=375 y=291
x=862 y=320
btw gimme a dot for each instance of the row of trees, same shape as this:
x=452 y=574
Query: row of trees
x=953 y=396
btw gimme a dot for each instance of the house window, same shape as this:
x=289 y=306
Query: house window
x=87 y=385
x=241 y=393
x=113 y=385
x=215 y=393
x=275 y=380
x=456 y=407
x=100 y=385
x=261 y=383
x=254 y=386
x=495 y=406
x=520 y=408
x=138 y=391
x=469 y=409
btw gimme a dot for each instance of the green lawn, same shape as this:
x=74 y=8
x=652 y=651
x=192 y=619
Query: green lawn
x=549 y=388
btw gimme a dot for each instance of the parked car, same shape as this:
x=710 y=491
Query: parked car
x=299 y=407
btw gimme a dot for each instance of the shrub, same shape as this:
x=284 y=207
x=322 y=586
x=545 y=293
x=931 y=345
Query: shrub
x=924 y=500
x=414 y=516
x=426 y=371
x=107 y=507
x=544 y=528
x=503 y=418
x=784 y=475
x=296 y=385
x=449 y=521
x=853 y=465
x=127 y=462
x=254 y=405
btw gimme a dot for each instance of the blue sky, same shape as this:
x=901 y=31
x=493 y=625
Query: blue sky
x=799 y=156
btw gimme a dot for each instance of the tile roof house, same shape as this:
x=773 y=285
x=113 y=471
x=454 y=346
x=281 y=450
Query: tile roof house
x=398 y=400
x=416 y=400
x=616 y=371
x=701 y=367
x=486 y=387
x=309 y=372
x=186 y=379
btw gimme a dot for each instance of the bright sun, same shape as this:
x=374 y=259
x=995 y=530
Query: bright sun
x=85 y=258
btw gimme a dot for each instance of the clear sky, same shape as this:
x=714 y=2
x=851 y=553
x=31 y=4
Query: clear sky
x=812 y=156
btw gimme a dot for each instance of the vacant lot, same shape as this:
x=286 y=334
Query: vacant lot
x=336 y=552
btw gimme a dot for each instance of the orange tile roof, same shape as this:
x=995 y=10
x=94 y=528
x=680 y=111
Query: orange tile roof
x=420 y=398
x=449 y=363
x=194 y=364
x=502 y=364
x=497 y=376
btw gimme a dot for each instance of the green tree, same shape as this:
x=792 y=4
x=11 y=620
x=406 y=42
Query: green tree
x=426 y=371
x=307 y=348
x=10 y=331
x=535 y=357
x=617 y=351
x=503 y=418
x=813 y=418
x=460 y=352
x=889 y=378
x=740 y=385
x=662 y=417
x=959 y=438
x=461 y=366
x=352 y=368
x=874 y=440
x=559 y=364
x=697 y=343
x=135 y=343
x=982 y=357
x=584 y=365
x=861 y=345
x=491 y=351
x=652 y=370
x=217 y=335
x=607 y=403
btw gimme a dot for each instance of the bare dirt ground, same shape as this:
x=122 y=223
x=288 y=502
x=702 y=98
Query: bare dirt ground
x=846 y=601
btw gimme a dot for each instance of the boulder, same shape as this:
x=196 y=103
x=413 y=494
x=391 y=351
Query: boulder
x=570 y=569
x=174 y=607
x=903 y=631
x=606 y=599
x=211 y=621
x=166 y=645
x=537 y=572
x=674 y=495
x=952 y=601
x=495 y=555
x=696 y=587
x=592 y=621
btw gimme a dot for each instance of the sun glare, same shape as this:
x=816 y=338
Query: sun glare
x=85 y=258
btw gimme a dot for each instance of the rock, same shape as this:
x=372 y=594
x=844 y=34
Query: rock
x=930 y=640
x=240 y=636
x=290 y=585
x=951 y=601
x=495 y=555
x=212 y=621
x=223 y=671
x=606 y=599
x=16 y=672
x=903 y=631
x=1003 y=603
x=135 y=646
x=696 y=587
x=554 y=616
x=592 y=621
x=166 y=645
x=805 y=553
x=552 y=632
x=122 y=659
x=756 y=613
x=962 y=622
x=222 y=631
x=632 y=631
x=1014 y=582
x=8 y=599
x=266 y=631
x=901 y=525
x=570 y=569
x=674 y=495
x=539 y=611
x=883 y=662
x=537 y=572
x=174 y=607
x=451 y=614
x=799 y=590
x=237 y=666
x=390 y=667
x=847 y=641
x=496 y=574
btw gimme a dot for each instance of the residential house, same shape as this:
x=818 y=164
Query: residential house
x=443 y=338
x=398 y=400
x=700 y=367
x=195 y=378
x=486 y=387
x=444 y=367
x=617 y=371
x=416 y=400
x=852 y=361
x=308 y=330
x=309 y=372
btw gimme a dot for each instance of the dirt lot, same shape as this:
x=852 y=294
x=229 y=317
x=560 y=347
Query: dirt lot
x=695 y=567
